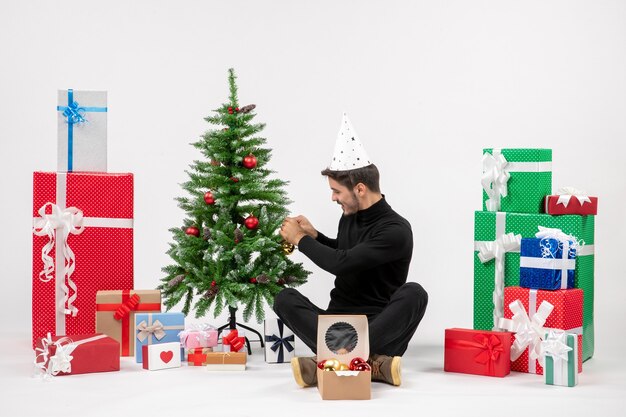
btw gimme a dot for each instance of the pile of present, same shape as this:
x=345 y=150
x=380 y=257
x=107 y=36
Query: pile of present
x=86 y=313
x=533 y=274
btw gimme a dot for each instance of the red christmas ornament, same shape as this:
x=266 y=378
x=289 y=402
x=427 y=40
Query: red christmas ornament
x=251 y=222
x=252 y=280
x=356 y=362
x=234 y=179
x=249 y=161
x=192 y=231
x=230 y=110
x=320 y=364
x=237 y=109
x=208 y=198
x=213 y=283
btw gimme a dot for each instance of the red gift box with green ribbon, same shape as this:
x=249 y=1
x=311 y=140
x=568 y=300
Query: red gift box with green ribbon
x=477 y=352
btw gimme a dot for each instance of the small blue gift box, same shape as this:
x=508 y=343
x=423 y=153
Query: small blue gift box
x=547 y=264
x=156 y=328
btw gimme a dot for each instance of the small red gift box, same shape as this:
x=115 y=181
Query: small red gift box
x=567 y=315
x=571 y=204
x=79 y=354
x=477 y=352
x=82 y=243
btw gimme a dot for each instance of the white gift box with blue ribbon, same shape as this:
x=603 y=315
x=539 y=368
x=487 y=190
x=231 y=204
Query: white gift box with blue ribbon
x=82 y=131
x=279 y=342
x=548 y=262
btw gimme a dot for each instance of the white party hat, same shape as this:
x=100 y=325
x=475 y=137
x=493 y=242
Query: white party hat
x=349 y=151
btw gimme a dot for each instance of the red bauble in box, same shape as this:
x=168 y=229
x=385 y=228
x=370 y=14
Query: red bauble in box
x=477 y=352
x=103 y=249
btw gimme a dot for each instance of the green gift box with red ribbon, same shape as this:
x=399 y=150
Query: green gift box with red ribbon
x=115 y=314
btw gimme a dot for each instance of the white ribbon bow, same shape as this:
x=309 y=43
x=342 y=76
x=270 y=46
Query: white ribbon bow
x=66 y=221
x=496 y=249
x=529 y=332
x=555 y=345
x=566 y=193
x=494 y=179
x=155 y=329
x=567 y=242
x=61 y=361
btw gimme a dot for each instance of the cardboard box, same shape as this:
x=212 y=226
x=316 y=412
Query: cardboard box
x=226 y=361
x=82 y=131
x=343 y=337
x=95 y=212
x=115 y=314
x=477 y=352
x=77 y=354
x=161 y=356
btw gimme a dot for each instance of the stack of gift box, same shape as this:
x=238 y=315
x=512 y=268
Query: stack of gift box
x=533 y=274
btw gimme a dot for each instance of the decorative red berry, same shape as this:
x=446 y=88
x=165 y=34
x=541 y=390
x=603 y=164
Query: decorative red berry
x=253 y=280
x=230 y=110
x=234 y=179
x=213 y=283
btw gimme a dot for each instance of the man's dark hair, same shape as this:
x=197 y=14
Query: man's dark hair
x=368 y=175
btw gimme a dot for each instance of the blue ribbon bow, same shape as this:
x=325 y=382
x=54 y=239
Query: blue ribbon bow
x=74 y=113
x=279 y=341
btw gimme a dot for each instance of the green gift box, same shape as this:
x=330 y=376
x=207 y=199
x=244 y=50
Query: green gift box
x=516 y=180
x=506 y=262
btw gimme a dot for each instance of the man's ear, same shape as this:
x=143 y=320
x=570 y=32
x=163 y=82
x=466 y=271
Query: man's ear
x=360 y=189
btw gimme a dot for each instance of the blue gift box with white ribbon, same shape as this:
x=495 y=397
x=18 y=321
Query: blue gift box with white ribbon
x=156 y=328
x=82 y=131
x=547 y=264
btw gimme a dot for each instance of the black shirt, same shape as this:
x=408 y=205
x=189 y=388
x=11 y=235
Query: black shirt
x=370 y=258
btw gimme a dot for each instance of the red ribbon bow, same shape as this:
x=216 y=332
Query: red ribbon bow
x=489 y=345
x=125 y=308
x=234 y=340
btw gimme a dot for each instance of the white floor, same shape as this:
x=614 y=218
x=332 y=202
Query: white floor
x=268 y=390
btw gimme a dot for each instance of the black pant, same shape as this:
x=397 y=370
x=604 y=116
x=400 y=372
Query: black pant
x=390 y=331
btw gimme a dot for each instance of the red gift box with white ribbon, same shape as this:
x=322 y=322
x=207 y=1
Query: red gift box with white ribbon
x=569 y=200
x=531 y=314
x=82 y=243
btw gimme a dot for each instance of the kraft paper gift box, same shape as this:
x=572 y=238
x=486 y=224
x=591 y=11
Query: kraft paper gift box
x=197 y=356
x=161 y=356
x=531 y=313
x=198 y=336
x=157 y=328
x=226 y=361
x=279 y=341
x=516 y=180
x=77 y=354
x=547 y=264
x=343 y=337
x=569 y=200
x=477 y=352
x=82 y=243
x=561 y=364
x=82 y=131
x=493 y=230
x=115 y=314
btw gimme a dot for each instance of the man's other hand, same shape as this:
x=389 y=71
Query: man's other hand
x=306 y=225
x=291 y=231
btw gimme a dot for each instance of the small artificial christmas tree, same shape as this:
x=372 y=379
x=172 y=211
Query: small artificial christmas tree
x=228 y=252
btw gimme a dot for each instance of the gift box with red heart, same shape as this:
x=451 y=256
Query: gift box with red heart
x=161 y=356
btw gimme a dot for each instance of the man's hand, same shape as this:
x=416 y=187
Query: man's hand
x=291 y=231
x=306 y=225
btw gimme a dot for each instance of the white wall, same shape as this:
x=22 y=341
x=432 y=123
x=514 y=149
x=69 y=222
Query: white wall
x=427 y=85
